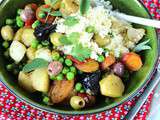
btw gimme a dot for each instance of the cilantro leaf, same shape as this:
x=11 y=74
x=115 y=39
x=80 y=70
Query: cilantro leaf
x=71 y=21
x=81 y=53
x=35 y=64
x=64 y=40
x=56 y=14
x=70 y=39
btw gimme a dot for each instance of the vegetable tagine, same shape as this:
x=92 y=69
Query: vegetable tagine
x=72 y=51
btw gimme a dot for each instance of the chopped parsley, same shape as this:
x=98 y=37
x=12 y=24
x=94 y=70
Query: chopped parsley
x=71 y=21
x=80 y=53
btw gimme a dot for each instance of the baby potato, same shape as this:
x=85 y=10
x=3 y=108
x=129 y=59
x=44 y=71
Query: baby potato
x=17 y=51
x=7 y=33
x=31 y=53
x=18 y=35
x=101 y=41
x=28 y=36
x=135 y=35
x=25 y=81
x=111 y=86
x=68 y=7
x=44 y=53
x=55 y=6
x=60 y=90
x=40 y=80
x=55 y=39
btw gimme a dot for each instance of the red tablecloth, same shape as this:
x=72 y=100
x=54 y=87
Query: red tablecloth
x=12 y=108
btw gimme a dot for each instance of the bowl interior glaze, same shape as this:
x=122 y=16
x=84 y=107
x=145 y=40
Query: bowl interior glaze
x=137 y=81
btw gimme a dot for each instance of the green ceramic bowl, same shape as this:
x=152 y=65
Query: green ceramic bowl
x=137 y=81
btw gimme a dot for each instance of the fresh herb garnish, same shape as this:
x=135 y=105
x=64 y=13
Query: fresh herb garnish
x=71 y=21
x=35 y=64
x=56 y=14
x=84 y=6
x=70 y=39
x=80 y=53
x=142 y=46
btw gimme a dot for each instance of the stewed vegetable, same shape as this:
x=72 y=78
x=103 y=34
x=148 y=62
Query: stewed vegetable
x=73 y=53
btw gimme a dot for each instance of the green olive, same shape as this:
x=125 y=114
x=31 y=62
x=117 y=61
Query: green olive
x=55 y=39
x=7 y=33
x=77 y=102
x=101 y=41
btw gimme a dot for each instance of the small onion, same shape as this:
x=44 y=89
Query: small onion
x=27 y=14
x=118 y=69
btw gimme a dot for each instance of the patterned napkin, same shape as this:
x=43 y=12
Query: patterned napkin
x=12 y=108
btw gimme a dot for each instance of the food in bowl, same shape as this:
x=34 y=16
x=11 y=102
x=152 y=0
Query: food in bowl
x=71 y=54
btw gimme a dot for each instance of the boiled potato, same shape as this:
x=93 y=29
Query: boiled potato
x=28 y=36
x=55 y=6
x=55 y=39
x=31 y=53
x=60 y=90
x=101 y=41
x=18 y=35
x=135 y=35
x=111 y=86
x=17 y=51
x=68 y=7
x=7 y=33
x=44 y=53
x=40 y=80
x=25 y=81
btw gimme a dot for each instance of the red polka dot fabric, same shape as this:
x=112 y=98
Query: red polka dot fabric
x=12 y=108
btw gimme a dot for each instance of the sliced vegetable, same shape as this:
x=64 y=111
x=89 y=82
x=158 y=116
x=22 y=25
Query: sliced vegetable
x=109 y=60
x=63 y=88
x=132 y=61
x=7 y=33
x=40 y=80
x=25 y=81
x=77 y=102
x=89 y=66
x=111 y=86
x=17 y=51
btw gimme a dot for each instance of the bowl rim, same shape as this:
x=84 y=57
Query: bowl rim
x=99 y=110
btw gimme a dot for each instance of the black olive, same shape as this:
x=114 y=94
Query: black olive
x=91 y=82
x=43 y=31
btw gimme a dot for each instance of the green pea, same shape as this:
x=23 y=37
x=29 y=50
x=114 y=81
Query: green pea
x=77 y=102
x=5 y=44
x=34 y=44
x=68 y=62
x=39 y=46
x=45 y=42
x=9 y=21
x=61 y=59
x=82 y=91
x=19 y=22
x=90 y=29
x=9 y=67
x=65 y=70
x=42 y=15
x=70 y=76
x=52 y=77
x=101 y=58
x=59 y=77
x=46 y=100
x=73 y=69
x=19 y=11
x=78 y=86
x=35 y=24
x=55 y=56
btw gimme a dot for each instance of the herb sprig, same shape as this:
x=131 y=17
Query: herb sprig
x=142 y=46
